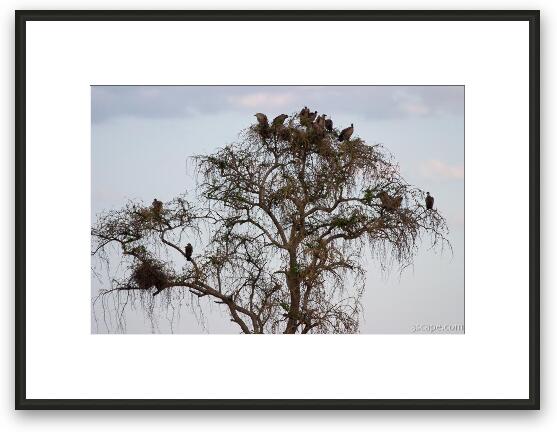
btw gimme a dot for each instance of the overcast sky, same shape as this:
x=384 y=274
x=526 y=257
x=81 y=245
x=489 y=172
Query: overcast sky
x=142 y=137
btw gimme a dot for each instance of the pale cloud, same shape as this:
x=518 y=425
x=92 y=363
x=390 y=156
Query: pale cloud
x=440 y=170
x=268 y=100
x=417 y=108
x=409 y=102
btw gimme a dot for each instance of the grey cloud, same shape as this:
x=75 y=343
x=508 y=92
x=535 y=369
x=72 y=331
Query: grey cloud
x=374 y=102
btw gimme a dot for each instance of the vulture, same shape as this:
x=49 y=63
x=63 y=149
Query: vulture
x=346 y=133
x=429 y=201
x=279 y=120
x=262 y=119
x=304 y=112
x=329 y=125
x=385 y=199
x=311 y=116
x=388 y=202
x=396 y=202
x=318 y=128
x=189 y=251
x=157 y=206
x=321 y=121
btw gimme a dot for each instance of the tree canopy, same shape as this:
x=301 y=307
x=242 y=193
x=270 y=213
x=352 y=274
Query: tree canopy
x=281 y=220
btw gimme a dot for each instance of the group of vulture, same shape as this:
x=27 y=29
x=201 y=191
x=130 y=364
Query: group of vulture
x=387 y=202
x=322 y=123
x=308 y=119
x=156 y=207
x=391 y=203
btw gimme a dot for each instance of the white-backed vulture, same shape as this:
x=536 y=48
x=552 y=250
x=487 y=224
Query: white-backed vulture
x=429 y=201
x=388 y=202
x=346 y=133
x=157 y=206
x=279 y=120
x=189 y=251
x=262 y=119
x=304 y=112
x=311 y=116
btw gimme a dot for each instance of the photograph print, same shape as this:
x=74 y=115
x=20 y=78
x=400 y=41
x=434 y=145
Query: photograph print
x=277 y=209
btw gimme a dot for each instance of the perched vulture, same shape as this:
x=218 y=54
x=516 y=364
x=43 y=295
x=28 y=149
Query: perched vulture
x=388 y=202
x=306 y=117
x=321 y=120
x=385 y=199
x=329 y=125
x=396 y=202
x=157 y=206
x=262 y=119
x=279 y=120
x=318 y=127
x=189 y=251
x=346 y=133
x=311 y=116
x=429 y=201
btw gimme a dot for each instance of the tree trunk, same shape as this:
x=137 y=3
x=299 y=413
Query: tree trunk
x=293 y=283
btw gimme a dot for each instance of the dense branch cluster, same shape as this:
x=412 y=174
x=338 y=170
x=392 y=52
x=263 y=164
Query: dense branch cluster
x=282 y=219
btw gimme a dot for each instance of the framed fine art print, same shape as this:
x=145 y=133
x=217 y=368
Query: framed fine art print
x=336 y=209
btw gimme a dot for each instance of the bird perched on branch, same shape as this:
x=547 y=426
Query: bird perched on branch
x=304 y=112
x=329 y=125
x=396 y=202
x=189 y=251
x=279 y=120
x=388 y=202
x=429 y=202
x=157 y=206
x=319 y=125
x=385 y=199
x=262 y=119
x=346 y=133
x=307 y=117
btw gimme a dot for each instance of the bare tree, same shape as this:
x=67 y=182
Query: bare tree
x=284 y=216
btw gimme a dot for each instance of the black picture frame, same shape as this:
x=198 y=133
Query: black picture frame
x=531 y=16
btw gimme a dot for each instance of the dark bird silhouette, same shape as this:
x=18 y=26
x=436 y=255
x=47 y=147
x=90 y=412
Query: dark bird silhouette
x=429 y=201
x=189 y=251
x=321 y=121
x=279 y=120
x=329 y=125
x=262 y=119
x=346 y=133
x=159 y=287
x=157 y=206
